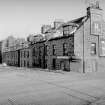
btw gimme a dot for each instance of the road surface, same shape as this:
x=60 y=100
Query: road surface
x=21 y=86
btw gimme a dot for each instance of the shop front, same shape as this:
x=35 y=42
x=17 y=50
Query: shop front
x=64 y=62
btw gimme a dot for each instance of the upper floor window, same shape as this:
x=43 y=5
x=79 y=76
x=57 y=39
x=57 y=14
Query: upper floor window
x=67 y=30
x=24 y=54
x=46 y=50
x=21 y=53
x=33 y=51
x=39 y=51
x=93 y=48
x=27 y=54
x=65 y=50
x=24 y=63
x=54 y=49
x=102 y=47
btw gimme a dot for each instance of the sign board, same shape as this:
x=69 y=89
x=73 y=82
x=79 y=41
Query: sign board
x=62 y=57
x=102 y=47
x=96 y=24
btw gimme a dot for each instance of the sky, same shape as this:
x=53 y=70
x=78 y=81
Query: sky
x=23 y=17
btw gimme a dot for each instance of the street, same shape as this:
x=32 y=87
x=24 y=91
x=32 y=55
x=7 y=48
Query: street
x=21 y=86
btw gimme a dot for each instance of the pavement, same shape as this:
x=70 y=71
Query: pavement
x=22 y=86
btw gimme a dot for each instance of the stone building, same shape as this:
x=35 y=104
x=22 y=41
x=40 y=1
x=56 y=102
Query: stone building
x=77 y=45
x=87 y=44
x=11 y=58
x=50 y=32
x=59 y=51
x=25 y=57
x=38 y=54
x=60 y=48
x=1 y=52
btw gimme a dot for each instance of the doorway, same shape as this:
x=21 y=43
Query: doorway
x=54 y=63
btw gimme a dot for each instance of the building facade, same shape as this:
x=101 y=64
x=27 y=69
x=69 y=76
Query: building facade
x=11 y=58
x=59 y=52
x=38 y=54
x=77 y=45
x=89 y=42
x=25 y=57
x=1 y=52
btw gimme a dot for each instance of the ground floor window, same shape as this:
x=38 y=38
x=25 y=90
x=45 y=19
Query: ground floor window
x=27 y=63
x=46 y=63
x=24 y=63
x=65 y=65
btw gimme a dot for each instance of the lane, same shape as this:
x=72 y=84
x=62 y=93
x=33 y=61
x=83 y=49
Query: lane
x=24 y=86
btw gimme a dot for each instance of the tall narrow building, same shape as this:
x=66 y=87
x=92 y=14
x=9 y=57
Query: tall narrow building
x=89 y=41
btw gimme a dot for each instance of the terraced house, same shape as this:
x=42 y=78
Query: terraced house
x=25 y=57
x=38 y=54
x=77 y=45
x=1 y=52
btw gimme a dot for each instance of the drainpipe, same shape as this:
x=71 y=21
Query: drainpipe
x=83 y=49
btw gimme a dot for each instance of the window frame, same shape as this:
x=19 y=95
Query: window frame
x=65 y=51
x=54 y=49
x=93 y=48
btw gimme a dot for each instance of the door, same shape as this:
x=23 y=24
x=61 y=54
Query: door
x=54 y=63
x=62 y=64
